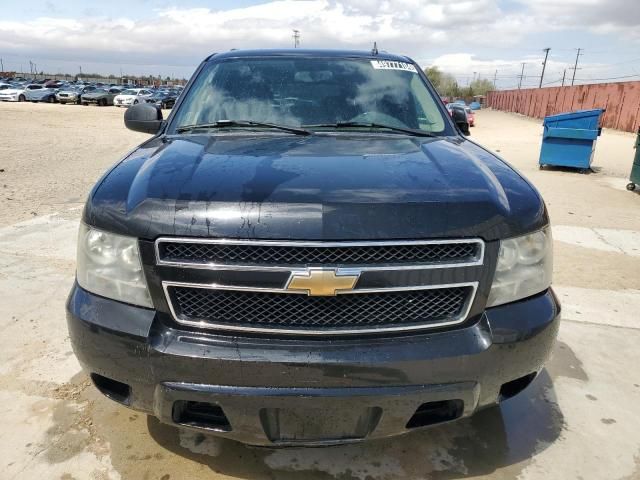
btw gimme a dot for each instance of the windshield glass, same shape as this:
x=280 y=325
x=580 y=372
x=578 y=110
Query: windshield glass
x=128 y=92
x=311 y=91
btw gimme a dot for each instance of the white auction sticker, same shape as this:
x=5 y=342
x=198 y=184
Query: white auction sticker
x=392 y=65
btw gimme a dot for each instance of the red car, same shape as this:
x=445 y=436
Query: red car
x=471 y=117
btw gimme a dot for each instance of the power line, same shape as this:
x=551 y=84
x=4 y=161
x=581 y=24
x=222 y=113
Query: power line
x=608 y=78
x=544 y=64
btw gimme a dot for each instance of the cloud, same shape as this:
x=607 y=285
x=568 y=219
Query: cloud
x=179 y=38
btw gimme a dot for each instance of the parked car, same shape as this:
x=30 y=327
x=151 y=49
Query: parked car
x=132 y=96
x=42 y=94
x=100 y=96
x=18 y=93
x=325 y=269
x=73 y=94
x=471 y=119
x=163 y=98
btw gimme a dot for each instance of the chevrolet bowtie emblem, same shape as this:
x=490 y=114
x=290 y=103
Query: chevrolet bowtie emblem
x=321 y=282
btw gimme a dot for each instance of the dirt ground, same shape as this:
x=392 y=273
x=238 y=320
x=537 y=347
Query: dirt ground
x=579 y=420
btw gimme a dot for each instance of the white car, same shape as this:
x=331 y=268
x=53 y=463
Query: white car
x=131 y=96
x=17 y=93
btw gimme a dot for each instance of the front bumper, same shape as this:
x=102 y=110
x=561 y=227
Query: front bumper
x=67 y=99
x=9 y=98
x=274 y=390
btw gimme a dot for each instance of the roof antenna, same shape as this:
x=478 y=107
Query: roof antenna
x=374 y=50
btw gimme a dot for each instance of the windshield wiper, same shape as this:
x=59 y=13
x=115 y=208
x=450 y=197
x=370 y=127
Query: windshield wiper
x=242 y=123
x=410 y=131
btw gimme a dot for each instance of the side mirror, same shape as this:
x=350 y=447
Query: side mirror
x=143 y=117
x=460 y=119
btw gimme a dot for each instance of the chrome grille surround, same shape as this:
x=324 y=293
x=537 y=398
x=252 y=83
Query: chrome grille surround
x=352 y=269
x=475 y=259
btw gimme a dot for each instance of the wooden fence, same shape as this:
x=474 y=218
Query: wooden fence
x=621 y=101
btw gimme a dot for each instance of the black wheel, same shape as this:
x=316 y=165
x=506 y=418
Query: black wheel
x=103 y=102
x=79 y=102
x=631 y=186
x=541 y=167
x=135 y=102
x=85 y=104
x=50 y=100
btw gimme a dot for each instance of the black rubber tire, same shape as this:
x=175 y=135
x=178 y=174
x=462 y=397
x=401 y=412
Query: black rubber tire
x=631 y=186
x=51 y=100
x=135 y=102
x=85 y=104
x=103 y=102
x=21 y=98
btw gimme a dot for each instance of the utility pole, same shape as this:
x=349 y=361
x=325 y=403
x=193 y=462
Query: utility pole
x=575 y=67
x=563 y=76
x=521 y=76
x=544 y=64
x=1 y=66
x=296 y=38
x=495 y=76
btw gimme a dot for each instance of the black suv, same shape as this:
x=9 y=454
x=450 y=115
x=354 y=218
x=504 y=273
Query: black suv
x=309 y=251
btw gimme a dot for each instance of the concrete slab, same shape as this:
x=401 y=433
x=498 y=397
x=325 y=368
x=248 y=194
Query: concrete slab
x=579 y=419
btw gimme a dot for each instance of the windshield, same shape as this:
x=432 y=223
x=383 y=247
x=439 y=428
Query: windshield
x=310 y=92
x=129 y=92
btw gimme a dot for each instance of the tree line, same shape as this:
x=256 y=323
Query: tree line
x=447 y=85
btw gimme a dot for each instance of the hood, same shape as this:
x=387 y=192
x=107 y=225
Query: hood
x=320 y=187
x=11 y=91
x=94 y=94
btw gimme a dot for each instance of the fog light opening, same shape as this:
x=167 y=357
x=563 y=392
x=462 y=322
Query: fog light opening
x=201 y=415
x=514 y=387
x=431 y=413
x=116 y=391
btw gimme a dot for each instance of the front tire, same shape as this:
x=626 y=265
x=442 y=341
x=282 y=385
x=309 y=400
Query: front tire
x=21 y=98
x=631 y=186
x=50 y=100
x=135 y=102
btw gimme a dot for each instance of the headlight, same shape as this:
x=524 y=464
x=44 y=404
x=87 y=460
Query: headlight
x=525 y=265
x=109 y=265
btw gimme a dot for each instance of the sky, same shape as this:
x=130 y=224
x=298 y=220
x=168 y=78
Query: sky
x=468 y=38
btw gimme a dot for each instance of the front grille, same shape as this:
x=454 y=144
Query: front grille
x=286 y=255
x=297 y=312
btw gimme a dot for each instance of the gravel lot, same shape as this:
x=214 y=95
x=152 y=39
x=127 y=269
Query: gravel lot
x=580 y=418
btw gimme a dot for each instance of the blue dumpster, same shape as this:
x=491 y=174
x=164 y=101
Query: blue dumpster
x=569 y=139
